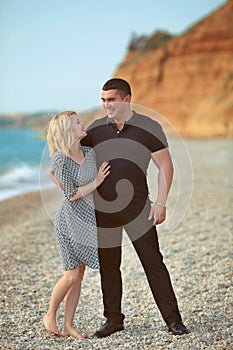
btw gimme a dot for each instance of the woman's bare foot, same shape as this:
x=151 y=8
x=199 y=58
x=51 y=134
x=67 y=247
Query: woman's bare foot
x=50 y=325
x=67 y=331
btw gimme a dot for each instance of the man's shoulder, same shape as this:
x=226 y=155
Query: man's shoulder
x=141 y=119
x=146 y=122
x=153 y=130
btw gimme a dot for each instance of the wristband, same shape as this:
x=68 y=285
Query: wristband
x=160 y=204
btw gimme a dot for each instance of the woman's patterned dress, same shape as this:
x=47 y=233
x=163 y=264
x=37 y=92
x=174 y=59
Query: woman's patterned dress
x=75 y=222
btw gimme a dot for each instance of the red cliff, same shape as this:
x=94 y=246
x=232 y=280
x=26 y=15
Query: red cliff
x=189 y=80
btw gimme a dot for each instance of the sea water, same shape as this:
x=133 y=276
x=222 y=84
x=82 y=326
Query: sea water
x=24 y=162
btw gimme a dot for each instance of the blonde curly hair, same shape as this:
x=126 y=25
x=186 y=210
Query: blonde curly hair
x=60 y=136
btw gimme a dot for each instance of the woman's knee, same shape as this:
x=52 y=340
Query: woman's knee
x=75 y=276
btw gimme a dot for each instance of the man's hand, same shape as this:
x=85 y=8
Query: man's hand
x=55 y=180
x=158 y=214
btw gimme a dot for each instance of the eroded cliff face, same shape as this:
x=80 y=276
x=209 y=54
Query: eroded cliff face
x=189 y=80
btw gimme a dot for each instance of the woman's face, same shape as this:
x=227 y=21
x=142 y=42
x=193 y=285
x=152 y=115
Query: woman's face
x=78 y=127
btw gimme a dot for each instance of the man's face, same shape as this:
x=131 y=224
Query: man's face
x=113 y=103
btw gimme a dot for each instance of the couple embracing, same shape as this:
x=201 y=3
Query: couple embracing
x=102 y=172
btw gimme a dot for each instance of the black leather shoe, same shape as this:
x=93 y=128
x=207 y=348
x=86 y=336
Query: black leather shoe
x=177 y=328
x=108 y=328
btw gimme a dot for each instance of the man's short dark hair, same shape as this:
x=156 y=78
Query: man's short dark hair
x=121 y=85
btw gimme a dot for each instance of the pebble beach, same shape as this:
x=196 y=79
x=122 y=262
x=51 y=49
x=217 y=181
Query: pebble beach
x=197 y=253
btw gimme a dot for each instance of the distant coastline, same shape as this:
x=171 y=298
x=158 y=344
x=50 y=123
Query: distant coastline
x=37 y=120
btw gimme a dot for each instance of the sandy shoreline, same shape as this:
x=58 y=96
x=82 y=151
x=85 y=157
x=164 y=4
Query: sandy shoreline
x=198 y=254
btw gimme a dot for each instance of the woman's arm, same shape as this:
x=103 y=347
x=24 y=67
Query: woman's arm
x=61 y=176
x=53 y=177
x=82 y=191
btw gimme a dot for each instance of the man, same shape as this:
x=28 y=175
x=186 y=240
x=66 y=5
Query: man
x=128 y=141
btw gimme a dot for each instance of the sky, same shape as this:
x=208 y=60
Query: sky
x=56 y=54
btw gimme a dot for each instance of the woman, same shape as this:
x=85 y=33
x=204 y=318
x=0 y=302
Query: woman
x=75 y=224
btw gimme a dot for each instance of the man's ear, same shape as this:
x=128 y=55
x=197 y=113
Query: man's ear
x=128 y=98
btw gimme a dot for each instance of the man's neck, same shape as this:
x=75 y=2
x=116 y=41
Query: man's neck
x=123 y=118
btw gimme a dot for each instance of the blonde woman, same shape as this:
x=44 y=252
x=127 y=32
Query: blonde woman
x=75 y=223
